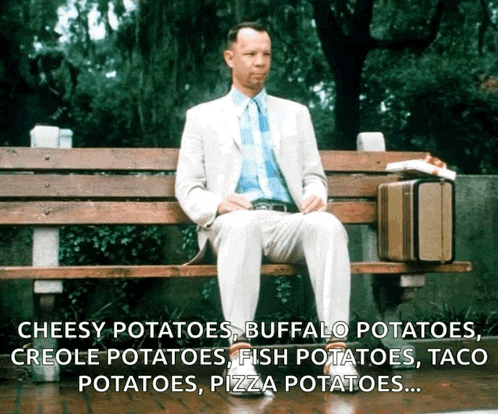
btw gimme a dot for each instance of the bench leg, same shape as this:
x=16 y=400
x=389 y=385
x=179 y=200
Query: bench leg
x=389 y=292
x=386 y=292
x=46 y=373
x=45 y=253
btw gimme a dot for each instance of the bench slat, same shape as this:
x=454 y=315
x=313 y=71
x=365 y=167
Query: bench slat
x=136 y=212
x=359 y=161
x=147 y=186
x=165 y=159
x=93 y=159
x=89 y=212
x=358 y=185
x=109 y=272
x=86 y=186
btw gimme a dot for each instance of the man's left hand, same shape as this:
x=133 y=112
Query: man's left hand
x=312 y=203
x=435 y=161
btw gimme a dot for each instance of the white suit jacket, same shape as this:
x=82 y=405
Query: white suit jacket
x=210 y=157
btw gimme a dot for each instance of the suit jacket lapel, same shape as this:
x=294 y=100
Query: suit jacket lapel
x=229 y=119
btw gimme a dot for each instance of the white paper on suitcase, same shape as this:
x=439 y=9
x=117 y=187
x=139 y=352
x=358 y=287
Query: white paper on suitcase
x=420 y=167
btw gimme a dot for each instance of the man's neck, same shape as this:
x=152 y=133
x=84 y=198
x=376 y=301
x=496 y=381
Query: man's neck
x=250 y=93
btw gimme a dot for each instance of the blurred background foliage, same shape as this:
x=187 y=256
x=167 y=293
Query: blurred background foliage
x=121 y=73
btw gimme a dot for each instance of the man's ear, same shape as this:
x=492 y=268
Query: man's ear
x=228 y=56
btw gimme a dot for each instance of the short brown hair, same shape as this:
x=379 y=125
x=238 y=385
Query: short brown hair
x=234 y=31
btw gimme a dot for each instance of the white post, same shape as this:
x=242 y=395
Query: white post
x=46 y=253
x=370 y=141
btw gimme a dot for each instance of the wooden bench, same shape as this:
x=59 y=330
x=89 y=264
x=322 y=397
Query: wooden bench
x=54 y=187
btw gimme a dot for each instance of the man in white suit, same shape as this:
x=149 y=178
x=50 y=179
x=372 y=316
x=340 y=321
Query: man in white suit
x=249 y=174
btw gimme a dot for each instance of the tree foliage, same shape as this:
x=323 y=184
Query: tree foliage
x=416 y=70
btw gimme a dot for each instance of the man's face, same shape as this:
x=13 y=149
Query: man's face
x=250 y=59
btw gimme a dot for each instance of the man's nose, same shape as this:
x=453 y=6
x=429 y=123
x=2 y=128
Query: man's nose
x=260 y=60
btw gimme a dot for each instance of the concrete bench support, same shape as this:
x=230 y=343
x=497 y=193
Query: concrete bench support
x=46 y=253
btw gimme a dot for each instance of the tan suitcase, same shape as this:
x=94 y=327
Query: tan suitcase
x=416 y=220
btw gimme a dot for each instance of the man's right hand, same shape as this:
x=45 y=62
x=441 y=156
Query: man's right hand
x=233 y=202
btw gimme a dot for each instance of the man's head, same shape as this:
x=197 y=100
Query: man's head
x=248 y=54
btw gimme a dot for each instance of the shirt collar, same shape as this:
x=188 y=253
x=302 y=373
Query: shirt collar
x=241 y=101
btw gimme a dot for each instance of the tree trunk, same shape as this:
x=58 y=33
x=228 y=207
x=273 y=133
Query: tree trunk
x=347 y=76
x=346 y=56
x=346 y=51
x=139 y=62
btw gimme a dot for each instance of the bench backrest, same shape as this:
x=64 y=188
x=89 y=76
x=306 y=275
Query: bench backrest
x=70 y=186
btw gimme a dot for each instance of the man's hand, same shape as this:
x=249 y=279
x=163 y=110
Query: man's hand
x=312 y=203
x=233 y=202
x=435 y=161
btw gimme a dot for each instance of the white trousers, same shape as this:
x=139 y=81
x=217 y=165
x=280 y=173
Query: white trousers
x=240 y=239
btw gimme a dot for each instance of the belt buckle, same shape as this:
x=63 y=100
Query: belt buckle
x=261 y=206
x=283 y=208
